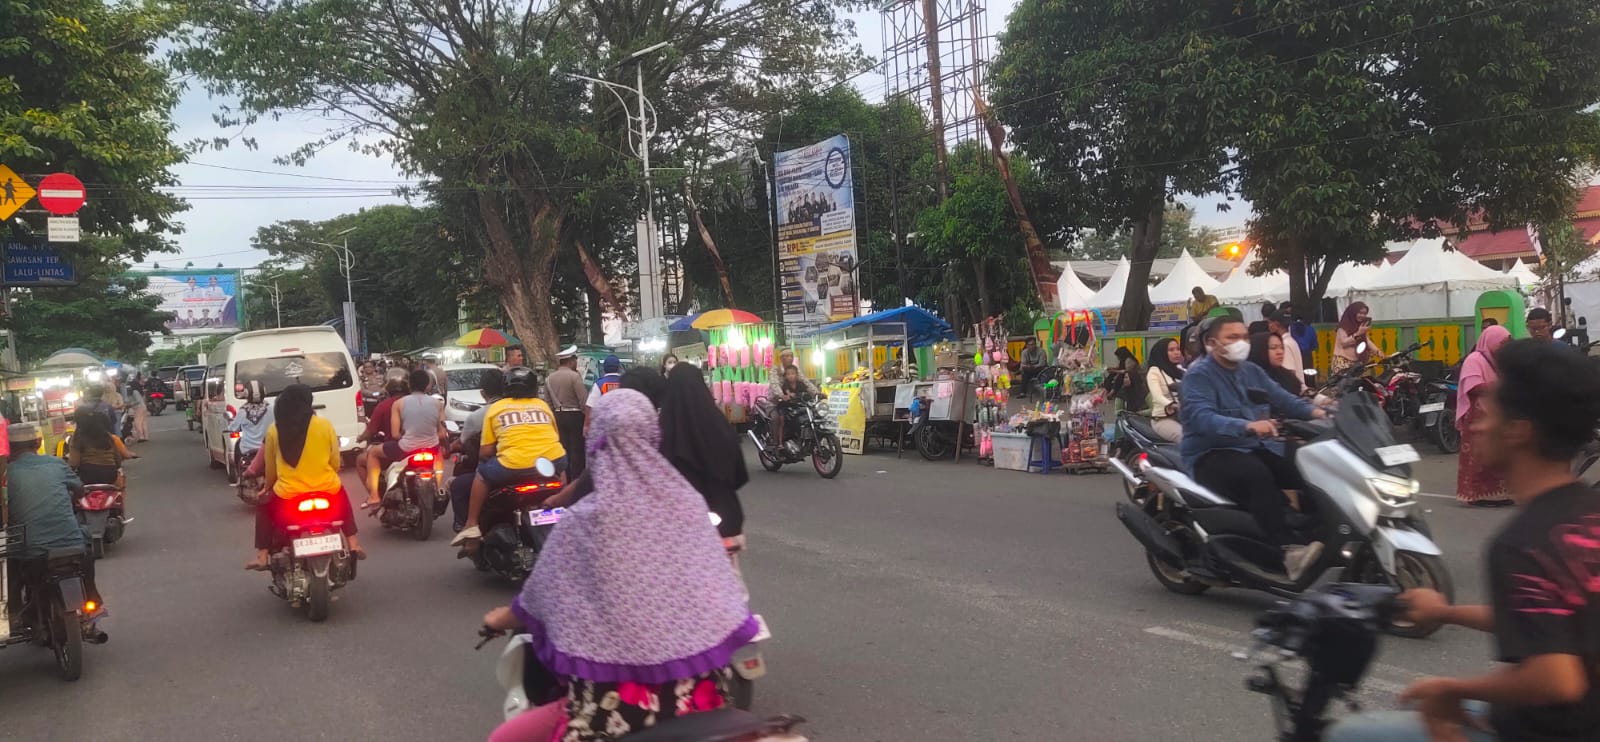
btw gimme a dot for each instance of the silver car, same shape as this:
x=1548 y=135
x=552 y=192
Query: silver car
x=466 y=389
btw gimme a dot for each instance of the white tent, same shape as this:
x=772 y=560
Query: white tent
x=1244 y=290
x=1430 y=281
x=1110 y=295
x=1524 y=274
x=1178 y=287
x=1353 y=277
x=1070 y=291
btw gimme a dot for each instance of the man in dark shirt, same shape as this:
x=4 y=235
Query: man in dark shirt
x=1544 y=573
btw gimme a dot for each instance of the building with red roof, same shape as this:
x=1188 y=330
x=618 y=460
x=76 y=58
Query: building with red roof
x=1500 y=249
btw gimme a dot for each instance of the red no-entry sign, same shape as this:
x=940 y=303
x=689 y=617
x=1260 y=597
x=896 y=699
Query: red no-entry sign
x=61 y=194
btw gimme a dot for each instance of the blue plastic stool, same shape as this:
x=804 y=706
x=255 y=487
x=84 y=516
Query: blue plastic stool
x=1045 y=460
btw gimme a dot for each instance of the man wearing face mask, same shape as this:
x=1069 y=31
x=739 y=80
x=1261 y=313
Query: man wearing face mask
x=1229 y=442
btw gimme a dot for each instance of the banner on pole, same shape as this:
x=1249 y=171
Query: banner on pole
x=817 y=232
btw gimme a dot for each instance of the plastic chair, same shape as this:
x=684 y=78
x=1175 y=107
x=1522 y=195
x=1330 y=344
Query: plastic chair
x=1045 y=459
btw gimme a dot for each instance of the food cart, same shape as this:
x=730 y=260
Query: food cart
x=865 y=383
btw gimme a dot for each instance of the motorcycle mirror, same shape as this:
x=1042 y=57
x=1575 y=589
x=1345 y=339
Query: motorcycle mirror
x=545 y=467
x=451 y=426
x=1559 y=333
x=1311 y=373
x=1362 y=348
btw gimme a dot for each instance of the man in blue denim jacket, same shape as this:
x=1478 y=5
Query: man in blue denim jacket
x=1230 y=442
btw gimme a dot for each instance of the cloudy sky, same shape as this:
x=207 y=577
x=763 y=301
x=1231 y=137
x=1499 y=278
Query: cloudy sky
x=234 y=191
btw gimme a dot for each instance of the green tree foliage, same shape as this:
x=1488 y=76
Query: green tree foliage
x=108 y=312
x=186 y=354
x=409 y=276
x=1112 y=103
x=81 y=92
x=1369 y=121
x=1178 y=233
x=475 y=97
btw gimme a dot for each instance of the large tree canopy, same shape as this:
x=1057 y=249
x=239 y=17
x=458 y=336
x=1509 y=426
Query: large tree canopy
x=476 y=96
x=82 y=93
x=108 y=312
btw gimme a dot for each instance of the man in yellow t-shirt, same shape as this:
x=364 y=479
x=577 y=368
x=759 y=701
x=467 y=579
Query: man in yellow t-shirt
x=518 y=430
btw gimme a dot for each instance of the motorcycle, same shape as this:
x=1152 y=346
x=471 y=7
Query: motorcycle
x=54 y=611
x=1406 y=396
x=807 y=433
x=127 y=424
x=1359 y=501
x=155 y=402
x=515 y=525
x=1439 y=412
x=935 y=439
x=314 y=559
x=412 y=497
x=99 y=511
x=245 y=486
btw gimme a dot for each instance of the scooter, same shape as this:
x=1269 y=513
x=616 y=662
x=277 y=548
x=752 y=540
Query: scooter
x=1335 y=630
x=515 y=524
x=412 y=497
x=247 y=487
x=99 y=511
x=55 y=611
x=315 y=560
x=156 y=403
x=1359 y=501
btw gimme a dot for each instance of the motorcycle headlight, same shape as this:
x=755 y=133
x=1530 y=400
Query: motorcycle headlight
x=1394 y=492
x=456 y=404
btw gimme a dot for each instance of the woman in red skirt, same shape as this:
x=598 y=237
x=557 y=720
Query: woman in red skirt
x=1475 y=485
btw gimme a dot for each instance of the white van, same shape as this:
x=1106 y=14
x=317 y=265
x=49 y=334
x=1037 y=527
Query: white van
x=314 y=356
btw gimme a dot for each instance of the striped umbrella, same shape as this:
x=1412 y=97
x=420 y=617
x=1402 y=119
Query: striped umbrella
x=486 y=337
x=723 y=318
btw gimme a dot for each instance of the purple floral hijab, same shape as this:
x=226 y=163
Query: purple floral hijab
x=634 y=584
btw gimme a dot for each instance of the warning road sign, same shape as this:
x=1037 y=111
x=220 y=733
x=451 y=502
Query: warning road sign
x=14 y=193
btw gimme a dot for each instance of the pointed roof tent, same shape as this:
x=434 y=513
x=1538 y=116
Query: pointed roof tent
x=1110 y=295
x=1427 y=262
x=1179 y=284
x=1243 y=288
x=1353 y=277
x=1524 y=274
x=1071 y=293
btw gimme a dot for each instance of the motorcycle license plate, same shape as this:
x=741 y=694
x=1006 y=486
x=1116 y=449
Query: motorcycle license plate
x=314 y=545
x=764 y=634
x=1397 y=455
x=1431 y=407
x=545 y=517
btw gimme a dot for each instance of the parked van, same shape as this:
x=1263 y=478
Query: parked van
x=314 y=356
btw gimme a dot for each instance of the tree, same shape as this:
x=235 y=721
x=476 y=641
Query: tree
x=1103 y=98
x=186 y=354
x=1178 y=233
x=476 y=97
x=83 y=93
x=1390 y=120
x=108 y=312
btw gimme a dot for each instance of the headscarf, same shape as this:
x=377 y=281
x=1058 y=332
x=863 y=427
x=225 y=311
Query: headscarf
x=1158 y=359
x=1260 y=347
x=1477 y=368
x=1348 y=321
x=633 y=583
x=292 y=420
x=255 y=407
x=695 y=436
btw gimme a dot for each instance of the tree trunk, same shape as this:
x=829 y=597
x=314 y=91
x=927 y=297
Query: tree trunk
x=524 y=288
x=1318 y=284
x=597 y=315
x=1299 y=292
x=1145 y=242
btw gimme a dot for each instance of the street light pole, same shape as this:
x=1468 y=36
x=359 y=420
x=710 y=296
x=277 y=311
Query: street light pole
x=347 y=262
x=277 y=298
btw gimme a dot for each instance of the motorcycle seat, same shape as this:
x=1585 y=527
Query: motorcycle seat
x=1142 y=426
x=100 y=488
x=1229 y=521
x=1164 y=455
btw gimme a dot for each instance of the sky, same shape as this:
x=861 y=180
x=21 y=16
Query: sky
x=236 y=190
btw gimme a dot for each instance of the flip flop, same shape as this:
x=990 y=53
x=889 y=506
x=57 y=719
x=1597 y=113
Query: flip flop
x=360 y=554
x=256 y=567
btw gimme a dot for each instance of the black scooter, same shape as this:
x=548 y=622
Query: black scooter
x=515 y=524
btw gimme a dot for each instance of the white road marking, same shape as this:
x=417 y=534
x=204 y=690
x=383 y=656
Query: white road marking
x=1441 y=497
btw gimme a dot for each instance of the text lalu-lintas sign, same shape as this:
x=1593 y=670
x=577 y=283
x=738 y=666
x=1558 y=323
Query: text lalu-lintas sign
x=37 y=265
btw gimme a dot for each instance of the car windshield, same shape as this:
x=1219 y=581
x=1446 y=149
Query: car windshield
x=194 y=374
x=1365 y=428
x=320 y=371
x=465 y=378
x=167 y=373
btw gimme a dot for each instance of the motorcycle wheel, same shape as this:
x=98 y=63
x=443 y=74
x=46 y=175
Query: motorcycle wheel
x=930 y=444
x=317 y=597
x=1415 y=570
x=1445 y=433
x=1172 y=578
x=744 y=692
x=828 y=456
x=768 y=461
x=425 y=498
x=66 y=641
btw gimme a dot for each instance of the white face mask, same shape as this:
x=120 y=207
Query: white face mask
x=1236 y=351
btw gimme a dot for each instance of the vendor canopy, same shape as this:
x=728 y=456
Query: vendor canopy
x=1179 y=284
x=1110 y=295
x=1241 y=288
x=1071 y=293
x=1524 y=274
x=70 y=358
x=1430 y=281
x=922 y=327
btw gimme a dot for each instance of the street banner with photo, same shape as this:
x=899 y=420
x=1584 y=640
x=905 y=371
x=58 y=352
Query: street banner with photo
x=816 y=232
x=202 y=302
x=849 y=412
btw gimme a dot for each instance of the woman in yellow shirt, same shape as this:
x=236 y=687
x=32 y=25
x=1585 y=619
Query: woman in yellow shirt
x=302 y=455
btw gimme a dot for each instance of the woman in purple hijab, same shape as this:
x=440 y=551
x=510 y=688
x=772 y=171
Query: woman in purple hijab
x=633 y=602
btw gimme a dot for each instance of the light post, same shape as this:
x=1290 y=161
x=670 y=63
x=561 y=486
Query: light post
x=650 y=300
x=347 y=262
x=277 y=298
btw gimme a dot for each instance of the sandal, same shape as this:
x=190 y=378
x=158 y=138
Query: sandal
x=359 y=553
x=257 y=566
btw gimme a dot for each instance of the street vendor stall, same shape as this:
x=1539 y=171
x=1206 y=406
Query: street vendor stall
x=739 y=350
x=870 y=357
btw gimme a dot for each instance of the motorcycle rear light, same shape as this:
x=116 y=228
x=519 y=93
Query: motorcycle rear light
x=234 y=436
x=232 y=412
x=158 y=395
x=89 y=606
x=361 y=408
x=422 y=457
x=313 y=503
x=536 y=486
x=752 y=664
x=1144 y=457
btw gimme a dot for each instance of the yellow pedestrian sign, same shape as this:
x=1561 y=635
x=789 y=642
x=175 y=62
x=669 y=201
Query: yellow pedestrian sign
x=14 y=193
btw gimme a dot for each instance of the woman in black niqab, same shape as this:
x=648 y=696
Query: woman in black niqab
x=704 y=448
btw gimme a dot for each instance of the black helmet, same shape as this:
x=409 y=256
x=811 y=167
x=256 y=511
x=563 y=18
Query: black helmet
x=522 y=383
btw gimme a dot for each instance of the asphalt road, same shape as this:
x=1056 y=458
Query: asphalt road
x=909 y=601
